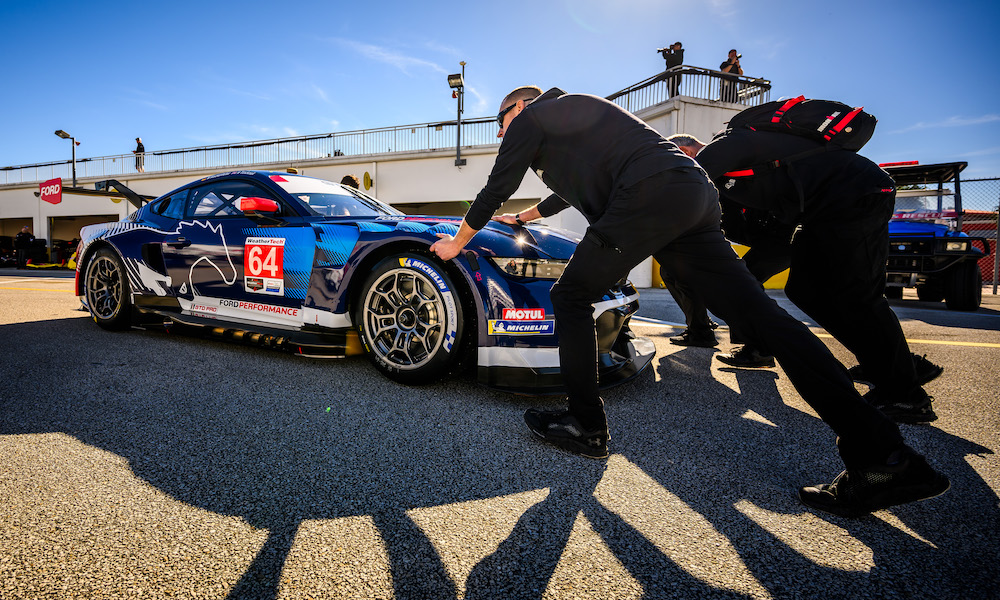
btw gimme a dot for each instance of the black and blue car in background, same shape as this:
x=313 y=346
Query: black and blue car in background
x=321 y=269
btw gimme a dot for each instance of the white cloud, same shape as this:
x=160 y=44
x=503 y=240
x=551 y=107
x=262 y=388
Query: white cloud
x=401 y=61
x=151 y=104
x=246 y=93
x=954 y=121
x=479 y=107
x=441 y=48
x=724 y=8
x=981 y=152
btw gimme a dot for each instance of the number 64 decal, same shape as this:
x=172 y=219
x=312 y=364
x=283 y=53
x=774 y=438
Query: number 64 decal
x=263 y=270
x=263 y=257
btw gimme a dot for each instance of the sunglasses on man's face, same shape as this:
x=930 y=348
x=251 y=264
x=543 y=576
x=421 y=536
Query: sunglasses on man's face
x=503 y=113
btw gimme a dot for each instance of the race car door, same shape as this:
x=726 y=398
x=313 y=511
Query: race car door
x=222 y=263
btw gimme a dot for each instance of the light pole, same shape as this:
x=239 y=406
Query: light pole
x=457 y=82
x=74 y=144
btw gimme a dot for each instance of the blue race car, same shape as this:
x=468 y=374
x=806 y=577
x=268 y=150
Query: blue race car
x=322 y=269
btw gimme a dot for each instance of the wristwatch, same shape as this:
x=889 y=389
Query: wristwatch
x=517 y=218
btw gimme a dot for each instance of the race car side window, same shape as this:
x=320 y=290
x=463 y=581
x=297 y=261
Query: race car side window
x=222 y=199
x=173 y=206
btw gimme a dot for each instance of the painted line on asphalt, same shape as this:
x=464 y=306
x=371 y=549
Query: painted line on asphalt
x=659 y=323
x=937 y=342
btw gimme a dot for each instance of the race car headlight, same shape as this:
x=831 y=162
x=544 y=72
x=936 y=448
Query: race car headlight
x=540 y=268
x=956 y=246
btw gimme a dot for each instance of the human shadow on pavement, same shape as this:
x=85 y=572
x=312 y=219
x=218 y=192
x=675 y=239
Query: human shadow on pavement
x=277 y=440
x=734 y=456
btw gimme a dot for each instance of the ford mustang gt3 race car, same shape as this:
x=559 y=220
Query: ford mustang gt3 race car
x=321 y=269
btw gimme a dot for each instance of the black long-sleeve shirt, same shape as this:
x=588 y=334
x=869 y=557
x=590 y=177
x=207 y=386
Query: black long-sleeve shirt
x=582 y=147
x=674 y=58
x=833 y=183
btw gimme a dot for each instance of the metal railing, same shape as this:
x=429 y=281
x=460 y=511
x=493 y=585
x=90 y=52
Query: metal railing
x=688 y=81
x=406 y=138
x=695 y=82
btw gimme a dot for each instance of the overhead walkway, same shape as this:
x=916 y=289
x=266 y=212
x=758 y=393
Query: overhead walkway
x=689 y=82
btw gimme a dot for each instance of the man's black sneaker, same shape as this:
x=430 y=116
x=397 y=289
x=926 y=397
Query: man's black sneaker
x=702 y=340
x=855 y=493
x=926 y=371
x=746 y=357
x=562 y=429
x=915 y=408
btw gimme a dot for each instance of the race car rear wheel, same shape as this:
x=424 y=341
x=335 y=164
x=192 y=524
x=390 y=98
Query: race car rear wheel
x=410 y=319
x=106 y=289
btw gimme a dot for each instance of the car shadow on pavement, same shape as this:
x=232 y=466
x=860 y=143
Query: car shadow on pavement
x=277 y=440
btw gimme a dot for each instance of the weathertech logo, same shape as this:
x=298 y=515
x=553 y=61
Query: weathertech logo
x=523 y=314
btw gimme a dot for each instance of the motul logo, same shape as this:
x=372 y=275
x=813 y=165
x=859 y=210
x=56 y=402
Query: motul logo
x=523 y=314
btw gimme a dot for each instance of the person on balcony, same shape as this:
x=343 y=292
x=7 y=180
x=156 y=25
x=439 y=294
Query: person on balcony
x=674 y=55
x=730 y=87
x=140 y=156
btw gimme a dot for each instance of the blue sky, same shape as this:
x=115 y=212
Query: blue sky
x=183 y=74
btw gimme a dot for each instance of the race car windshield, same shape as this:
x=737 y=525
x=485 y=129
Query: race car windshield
x=328 y=199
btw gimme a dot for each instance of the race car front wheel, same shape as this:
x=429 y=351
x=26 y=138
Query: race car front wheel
x=409 y=319
x=107 y=291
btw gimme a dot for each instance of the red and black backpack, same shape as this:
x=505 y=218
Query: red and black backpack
x=835 y=125
x=826 y=121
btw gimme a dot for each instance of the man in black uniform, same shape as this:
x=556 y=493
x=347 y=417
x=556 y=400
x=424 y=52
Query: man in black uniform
x=729 y=84
x=769 y=254
x=841 y=202
x=642 y=196
x=22 y=246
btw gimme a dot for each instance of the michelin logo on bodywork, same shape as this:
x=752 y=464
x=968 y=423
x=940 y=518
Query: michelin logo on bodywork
x=521 y=321
x=501 y=327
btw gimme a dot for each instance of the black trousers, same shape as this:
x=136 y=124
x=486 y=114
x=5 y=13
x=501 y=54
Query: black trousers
x=838 y=279
x=674 y=216
x=673 y=84
x=765 y=259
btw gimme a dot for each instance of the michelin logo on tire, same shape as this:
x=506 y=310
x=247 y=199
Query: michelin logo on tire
x=446 y=296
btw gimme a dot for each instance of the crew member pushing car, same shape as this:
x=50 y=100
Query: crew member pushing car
x=642 y=196
x=842 y=203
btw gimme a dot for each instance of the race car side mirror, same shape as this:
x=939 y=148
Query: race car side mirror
x=252 y=204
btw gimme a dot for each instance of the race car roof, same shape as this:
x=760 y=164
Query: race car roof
x=925 y=174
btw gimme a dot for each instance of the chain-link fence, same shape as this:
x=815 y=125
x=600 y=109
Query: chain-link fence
x=980 y=200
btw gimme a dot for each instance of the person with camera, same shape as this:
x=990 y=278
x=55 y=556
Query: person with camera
x=729 y=87
x=642 y=196
x=674 y=55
